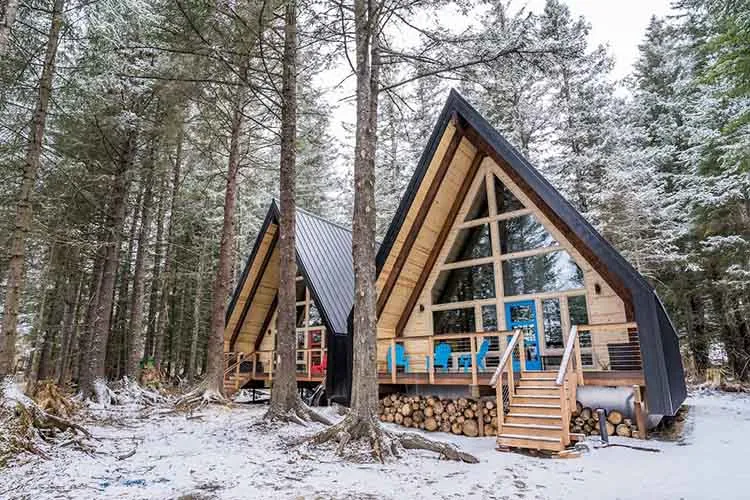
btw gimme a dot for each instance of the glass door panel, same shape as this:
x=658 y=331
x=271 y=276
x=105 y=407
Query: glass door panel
x=522 y=315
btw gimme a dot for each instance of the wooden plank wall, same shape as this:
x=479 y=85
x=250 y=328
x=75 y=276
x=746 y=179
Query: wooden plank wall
x=261 y=304
x=427 y=236
x=248 y=285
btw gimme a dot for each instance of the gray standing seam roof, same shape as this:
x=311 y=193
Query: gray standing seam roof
x=324 y=256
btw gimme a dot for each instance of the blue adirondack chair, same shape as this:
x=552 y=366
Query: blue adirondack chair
x=464 y=360
x=442 y=355
x=401 y=358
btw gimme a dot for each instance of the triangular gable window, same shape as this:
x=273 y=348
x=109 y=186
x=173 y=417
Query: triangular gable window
x=506 y=201
x=471 y=243
x=479 y=208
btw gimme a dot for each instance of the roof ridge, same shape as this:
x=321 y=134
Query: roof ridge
x=323 y=219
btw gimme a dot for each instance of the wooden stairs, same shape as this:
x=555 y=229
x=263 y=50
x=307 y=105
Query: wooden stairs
x=535 y=419
x=234 y=379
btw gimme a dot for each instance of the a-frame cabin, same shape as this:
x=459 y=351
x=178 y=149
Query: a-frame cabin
x=489 y=283
x=487 y=274
x=325 y=287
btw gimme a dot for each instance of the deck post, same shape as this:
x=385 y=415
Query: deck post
x=431 y=361
x=393 y=360
x=473 y=347
x=499 y=403
x=521 y=352
x=255 y=364
x=579 y=363
x=237 y=372
x=640 y=412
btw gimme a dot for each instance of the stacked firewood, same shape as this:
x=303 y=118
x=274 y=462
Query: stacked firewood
x=459 y=416
x=585 y=420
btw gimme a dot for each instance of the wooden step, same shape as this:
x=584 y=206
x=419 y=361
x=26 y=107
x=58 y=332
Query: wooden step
x=536 y=408
x=542 y=430
x=533 y=418
x=538 y=375
x=530 y=442
x=536 y=399
x=536 y=390
x=536 y=382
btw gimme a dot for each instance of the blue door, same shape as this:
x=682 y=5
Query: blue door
x=522 y=315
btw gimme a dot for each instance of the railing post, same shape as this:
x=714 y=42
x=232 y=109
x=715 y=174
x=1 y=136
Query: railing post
x=431 y=360
x=511 y=380
x=270 y=366
x=473 y=348
x=522 y=352
x=255 y=364
x=499 y=403
x=579 y=363
x=237 y=372
x=565 y=409
x=393 y=360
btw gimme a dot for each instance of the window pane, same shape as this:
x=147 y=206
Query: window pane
x=549 y=272
x=479 y=208
x=506 y=201
x=466 y=283
x=489 y=318
x=300 y=287
x=579 y=316
x=315 y=319
x=471 y=243
x=523 y=233
x=454 y=321
x=552 y=319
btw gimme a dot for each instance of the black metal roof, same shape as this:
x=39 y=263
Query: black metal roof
x=662 y=364
x=324 y=257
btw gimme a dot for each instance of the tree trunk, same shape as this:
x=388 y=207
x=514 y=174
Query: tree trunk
x=284 y=392
x=72 y=294
x=91 y=308
x=122 y=315
x=168 y=284
x=8 y=9
x=220 y=289
x=698 y=340
x=197 y=299
x=135 y=331
x=94 y=368
x=364 y=371
x=14 y=285
x=154 y=342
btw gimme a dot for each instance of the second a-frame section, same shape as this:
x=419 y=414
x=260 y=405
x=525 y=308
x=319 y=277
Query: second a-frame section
x=324 y=296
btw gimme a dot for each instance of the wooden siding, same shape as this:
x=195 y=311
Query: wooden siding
x=256 y=315
x=252 y=276
x=426 y=237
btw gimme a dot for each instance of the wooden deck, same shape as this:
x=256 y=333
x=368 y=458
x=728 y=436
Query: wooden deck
x=596 y=378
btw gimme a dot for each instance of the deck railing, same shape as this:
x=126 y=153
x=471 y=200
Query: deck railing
x=465 y=356
x=568 y=380
x=261 y=364
x=505 y=369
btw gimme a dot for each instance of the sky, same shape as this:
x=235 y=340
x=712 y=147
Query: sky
x=620 y=24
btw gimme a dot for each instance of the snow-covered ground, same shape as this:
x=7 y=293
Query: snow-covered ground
x=223 y=455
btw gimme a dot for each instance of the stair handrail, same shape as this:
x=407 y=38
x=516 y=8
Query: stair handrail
x=570 y=345
x=506 y=356
x=239 y=358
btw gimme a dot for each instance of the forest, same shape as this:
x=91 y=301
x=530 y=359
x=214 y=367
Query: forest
x=141 y=143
